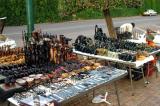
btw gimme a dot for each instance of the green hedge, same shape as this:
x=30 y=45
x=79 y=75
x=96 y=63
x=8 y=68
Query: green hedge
x=62 y=10
x=153 y=4
x=15 y=11
x=46 y=11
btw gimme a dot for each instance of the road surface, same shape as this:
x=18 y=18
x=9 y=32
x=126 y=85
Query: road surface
x=83 y=27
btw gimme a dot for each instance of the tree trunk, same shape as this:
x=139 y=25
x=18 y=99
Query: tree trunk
x=2 y=23
x=109 y=23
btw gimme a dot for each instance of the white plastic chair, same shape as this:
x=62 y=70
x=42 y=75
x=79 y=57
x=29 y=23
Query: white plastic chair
x=101 y=99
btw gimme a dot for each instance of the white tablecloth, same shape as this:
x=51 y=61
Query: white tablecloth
x=10 y=42
x=14 y=102
x=136 y=64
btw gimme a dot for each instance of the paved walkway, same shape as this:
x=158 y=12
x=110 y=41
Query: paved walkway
x=82 y=27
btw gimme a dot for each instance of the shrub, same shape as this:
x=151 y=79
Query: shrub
x=15 y=11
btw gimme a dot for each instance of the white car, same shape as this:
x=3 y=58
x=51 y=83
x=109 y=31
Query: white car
x=150 y=12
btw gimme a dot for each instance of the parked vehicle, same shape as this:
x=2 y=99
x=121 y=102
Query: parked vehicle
x=150 y=12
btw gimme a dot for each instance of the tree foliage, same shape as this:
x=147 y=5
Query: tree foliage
x=15 y=11
x=60 y=10
x=113 y=3
x=71 y=7
x=134 y=3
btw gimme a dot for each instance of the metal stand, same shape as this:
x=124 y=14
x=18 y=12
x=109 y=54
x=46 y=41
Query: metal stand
x=117 y=94
x=142 y=72
x=8 y=104
x=156 y=72
x=145 y=81
x=156 y=69
x=93 y=93
x=130 y=74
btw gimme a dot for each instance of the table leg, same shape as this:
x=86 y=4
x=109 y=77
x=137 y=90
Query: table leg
x=147 y=71
x=145 y=81
x=105 y=62
x=87 y=57
x=108 y=63
x=93 y=93
x=155 y=65
x=95 y=61
x=130 y=74
x=86 y=96
x=117 y=93
x=156 y=72
x=8 y=104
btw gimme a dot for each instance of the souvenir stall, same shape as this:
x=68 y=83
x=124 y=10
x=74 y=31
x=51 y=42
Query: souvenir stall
x=122 y=50
x=47 y=69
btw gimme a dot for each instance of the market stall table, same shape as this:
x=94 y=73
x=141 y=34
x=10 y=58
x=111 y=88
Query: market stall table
x=6 y=92
x=154 y=53
x=136 y=64
x=98 y=79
